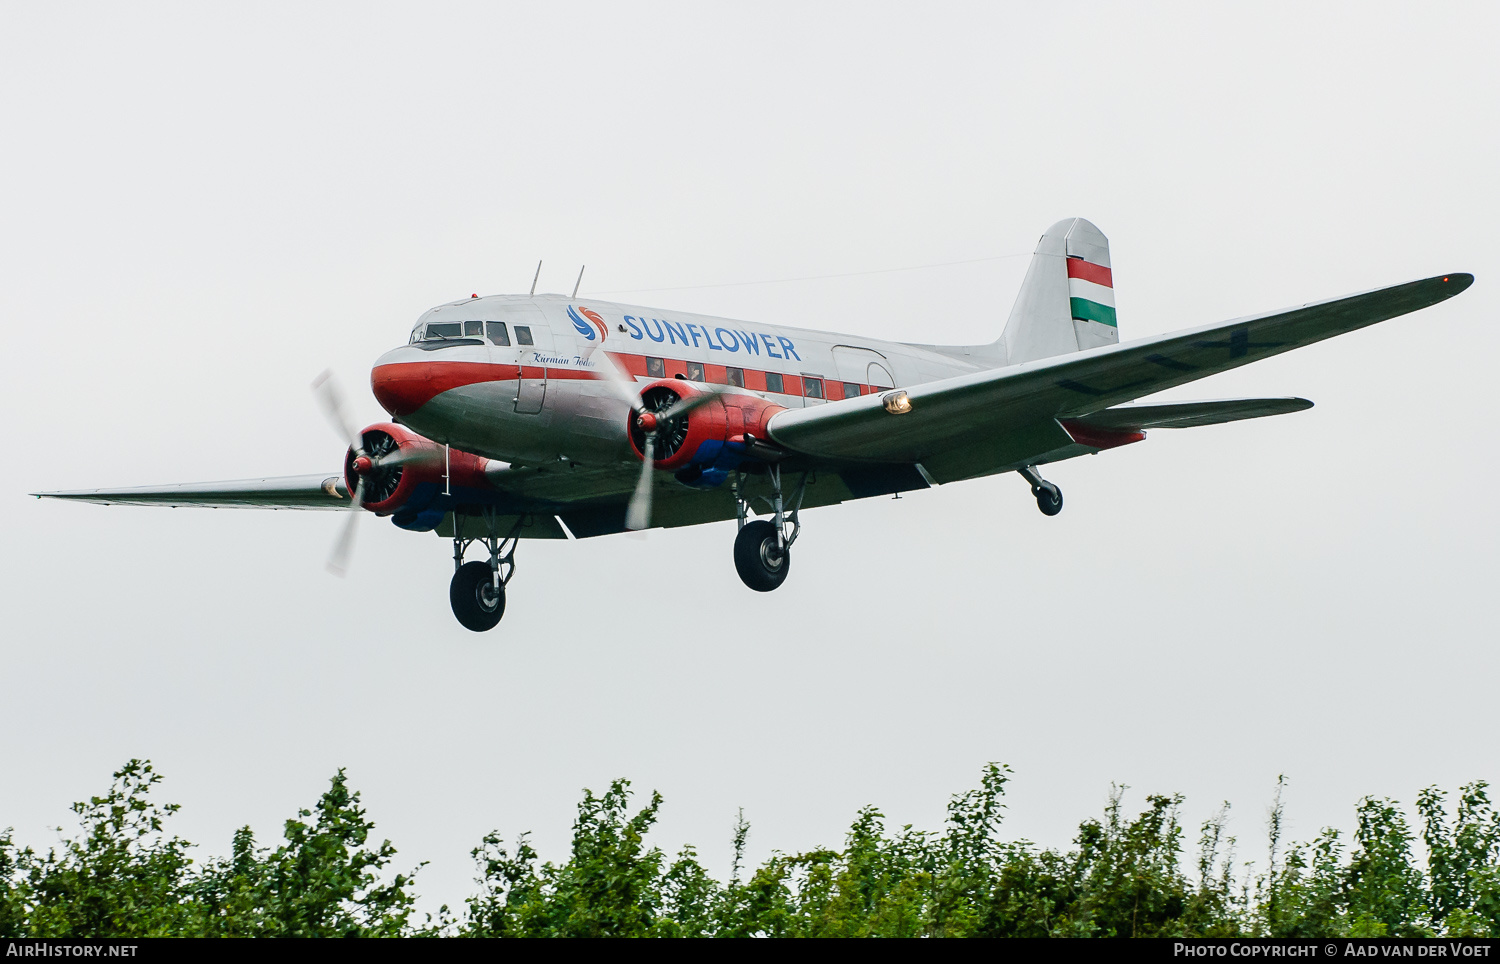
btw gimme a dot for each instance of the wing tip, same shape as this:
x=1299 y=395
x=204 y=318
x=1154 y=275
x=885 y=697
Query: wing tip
x=1457 y=282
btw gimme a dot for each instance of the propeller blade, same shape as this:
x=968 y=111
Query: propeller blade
x=331 y=399
x=343 y=547
x=622 y=384
x=638 y=515
x=406 y=456
x=687 y=403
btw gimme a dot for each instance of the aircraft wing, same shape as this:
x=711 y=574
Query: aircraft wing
x=987 y=421
x=285 y=492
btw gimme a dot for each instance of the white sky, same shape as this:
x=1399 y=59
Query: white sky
x=203 y=206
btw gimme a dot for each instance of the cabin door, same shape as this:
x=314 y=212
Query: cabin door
x=530 y=335
x=862 y=366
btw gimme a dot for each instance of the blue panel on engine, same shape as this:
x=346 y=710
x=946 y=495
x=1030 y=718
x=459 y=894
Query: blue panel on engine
x=423 y=521
x=708 y=451
x=712 y=463
x=428 y=503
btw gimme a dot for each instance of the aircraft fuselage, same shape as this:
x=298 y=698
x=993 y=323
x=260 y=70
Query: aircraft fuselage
x=515 y=378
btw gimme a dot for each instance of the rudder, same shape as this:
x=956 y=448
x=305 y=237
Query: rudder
x=1067 y=302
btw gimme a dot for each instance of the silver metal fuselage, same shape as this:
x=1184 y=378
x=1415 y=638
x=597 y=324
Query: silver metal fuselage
x=547 y=404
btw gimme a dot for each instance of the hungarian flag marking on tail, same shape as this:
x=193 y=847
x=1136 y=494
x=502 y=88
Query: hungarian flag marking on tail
x=1091 y=292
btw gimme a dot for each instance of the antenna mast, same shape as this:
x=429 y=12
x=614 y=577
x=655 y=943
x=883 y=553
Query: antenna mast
x=534 y=277
x=579 y=281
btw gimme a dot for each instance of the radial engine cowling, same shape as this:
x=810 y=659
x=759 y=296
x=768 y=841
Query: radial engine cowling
x=403 y=472
x=707 y=443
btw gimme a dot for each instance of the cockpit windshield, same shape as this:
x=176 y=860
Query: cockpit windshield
x=465 y=332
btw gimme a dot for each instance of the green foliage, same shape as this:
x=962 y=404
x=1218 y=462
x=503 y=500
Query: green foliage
x=1463 y=863
x=123 y=876
x=322 y=882
x=611 y=887
x=1124 y=875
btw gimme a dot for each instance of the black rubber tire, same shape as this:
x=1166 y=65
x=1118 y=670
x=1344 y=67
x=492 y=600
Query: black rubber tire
x=1048 y=500
x=472 y=596
x=755 y=557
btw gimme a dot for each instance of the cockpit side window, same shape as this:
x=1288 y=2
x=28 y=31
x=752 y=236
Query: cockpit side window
x=473 y=329
x=497 y=333
x=523 y=335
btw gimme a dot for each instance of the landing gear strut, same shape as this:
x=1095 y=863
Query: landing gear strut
x=763 y=549
x=1048 y=496
x=477 y=592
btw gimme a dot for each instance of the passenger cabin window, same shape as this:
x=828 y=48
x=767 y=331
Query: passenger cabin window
x=444 y=329
x=656 y=368
x=735 y=376
x=497 y=333
x=523 y=335
x=473 y=329
x=851 y=390
x=773 y=381
x=812 y=387
x=695 y=371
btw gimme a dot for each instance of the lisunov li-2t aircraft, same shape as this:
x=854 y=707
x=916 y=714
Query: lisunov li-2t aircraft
x=544 y=417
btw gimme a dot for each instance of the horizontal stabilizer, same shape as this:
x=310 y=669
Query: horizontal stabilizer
x=1135 y=418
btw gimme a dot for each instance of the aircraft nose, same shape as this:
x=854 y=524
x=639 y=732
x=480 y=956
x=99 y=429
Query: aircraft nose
x=401 y=387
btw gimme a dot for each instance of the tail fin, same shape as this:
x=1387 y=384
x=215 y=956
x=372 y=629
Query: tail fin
x=1067 y=302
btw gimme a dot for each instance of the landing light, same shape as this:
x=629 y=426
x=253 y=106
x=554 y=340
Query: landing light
x=897 y=403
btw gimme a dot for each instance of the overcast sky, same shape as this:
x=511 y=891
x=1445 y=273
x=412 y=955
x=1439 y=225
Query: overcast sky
x=202 y=206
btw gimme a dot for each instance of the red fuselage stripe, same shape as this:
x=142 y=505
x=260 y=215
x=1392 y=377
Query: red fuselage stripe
x=404 y=387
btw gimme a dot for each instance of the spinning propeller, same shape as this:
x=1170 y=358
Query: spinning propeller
x=376 y=468
x=658 y=418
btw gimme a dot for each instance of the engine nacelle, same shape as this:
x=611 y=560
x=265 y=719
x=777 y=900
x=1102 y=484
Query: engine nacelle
x=404 y=475
x=704 y=445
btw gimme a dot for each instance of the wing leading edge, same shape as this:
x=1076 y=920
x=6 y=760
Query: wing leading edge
x=285 y=492
x=997 y=416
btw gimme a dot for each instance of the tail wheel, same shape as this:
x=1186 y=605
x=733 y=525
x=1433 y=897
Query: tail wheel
x=477 y=601
x=761 y=565
x=1048 y=499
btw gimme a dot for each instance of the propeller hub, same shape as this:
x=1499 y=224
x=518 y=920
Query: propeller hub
x=363 y=465
x=647 y=421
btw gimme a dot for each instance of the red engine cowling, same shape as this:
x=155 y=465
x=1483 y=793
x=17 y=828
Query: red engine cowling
x=699 y=437
x=397 y=460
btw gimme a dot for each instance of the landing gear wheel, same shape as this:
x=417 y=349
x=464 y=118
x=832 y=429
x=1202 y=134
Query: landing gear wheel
x=760 y=565
x=476 y=602
x=1048 y=498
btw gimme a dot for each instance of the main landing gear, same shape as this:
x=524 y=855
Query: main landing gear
x=763 y=549
x=477 y=592
x=1048 y=496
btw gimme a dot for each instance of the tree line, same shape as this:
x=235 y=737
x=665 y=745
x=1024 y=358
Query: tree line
x=122 y=873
